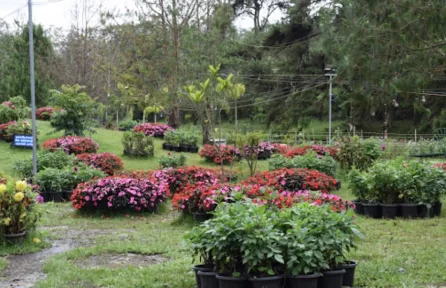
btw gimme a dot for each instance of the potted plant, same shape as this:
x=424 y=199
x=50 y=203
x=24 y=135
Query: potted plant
x=192 y=140
x=358 y=186
x=182 y=140
x=410 y=191
x=52 y=184
x=168 y=139
x=18 y=211
x=176 y=142
x=434 y=184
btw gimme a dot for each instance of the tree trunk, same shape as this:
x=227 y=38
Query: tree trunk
x=206 y=131
x=174 y=117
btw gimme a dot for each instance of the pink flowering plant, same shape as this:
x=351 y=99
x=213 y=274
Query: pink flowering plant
x=72 y=145
x=120 y=194
x=153 y=129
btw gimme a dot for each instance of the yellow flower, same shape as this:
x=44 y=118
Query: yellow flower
x=3 y=189
x=20 y=186
x=7 y=221
x=36 y=240
x=19 y=196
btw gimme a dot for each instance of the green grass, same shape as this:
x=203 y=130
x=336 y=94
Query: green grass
x=3 y=264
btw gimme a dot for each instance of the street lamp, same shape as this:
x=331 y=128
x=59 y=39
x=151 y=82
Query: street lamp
x=330 y=72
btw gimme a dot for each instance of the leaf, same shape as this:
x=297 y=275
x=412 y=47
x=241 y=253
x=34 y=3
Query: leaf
x=279 y=258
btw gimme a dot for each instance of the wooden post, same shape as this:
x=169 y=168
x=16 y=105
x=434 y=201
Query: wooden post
x=415 y=135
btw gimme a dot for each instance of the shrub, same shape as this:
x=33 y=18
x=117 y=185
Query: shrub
x=120 y=194
x=13 y=110
x=127 y=125
x=107 y=162
x=72 y=145
x=170 y=161
x=137 y=144
x=44 y=113
x=18 y=128
x=153 y=129
x=228 y=153
x=319 y=149
x=310 y=160
x=180 y=177
x=45 y=159
x=359 y=153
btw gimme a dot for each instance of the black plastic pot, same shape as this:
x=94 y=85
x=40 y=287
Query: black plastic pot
x=409 y=210
x=389 y=211
x=46 y=196
x=331 y=279
x=227 y=281
x=359 y=208
x=15 y=239
x=184 y=148
x=349 y=277
x=201 y=217
x=201 y=268
x=165 y=146
x=437 y=209
x=193 y=149
x=176 y=148
x=57 y=197
x=268 y=282
x=338 y=184
x=169 y=147
x=372 y=210
x=208 y=279
x=67 y=195
x=303 y=281
x=424 y=211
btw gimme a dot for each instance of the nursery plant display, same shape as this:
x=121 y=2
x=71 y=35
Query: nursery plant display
x=136 y=144
x=157 y=130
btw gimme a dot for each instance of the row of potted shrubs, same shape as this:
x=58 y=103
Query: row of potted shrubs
x=180 y=141
x=389 y=189
x=304 y=246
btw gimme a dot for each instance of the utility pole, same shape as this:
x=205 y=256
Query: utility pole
x=33 y=86
x=330 y=72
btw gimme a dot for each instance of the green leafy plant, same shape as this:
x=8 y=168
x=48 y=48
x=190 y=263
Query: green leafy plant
x=310 y=160
x=14 y=109
x=45 y=159
x=357 y=152
x=127 y=125
x=137 y=144
x=174 y=161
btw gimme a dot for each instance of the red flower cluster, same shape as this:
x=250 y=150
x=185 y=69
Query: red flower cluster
x=106 y=162
x=153 y=129
x=280 y=148
x=44 y=113
x=319 y=149
x=228 y=154
x=72 y=145
x=4 y=129
x=440 y=165
x=293 y=180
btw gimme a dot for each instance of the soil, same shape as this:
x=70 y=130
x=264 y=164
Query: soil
x=24 y=271
x=113 y=261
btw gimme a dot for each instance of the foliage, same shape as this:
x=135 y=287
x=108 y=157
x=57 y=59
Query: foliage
x=8 y=130
x=225 y=154
x=107 y=162
x=428 y=147
x=153 y=129
x=14 y=109
x=137 y=144
x=120 y=194
x=249 y=148
x=310 y=160
x=356 y=152
x=318 y=149
x=71 y=145
x=76 y=110
x=174 y=161
x=127 y=125
x=178 y=137
x=18 y=211
x=44 y=113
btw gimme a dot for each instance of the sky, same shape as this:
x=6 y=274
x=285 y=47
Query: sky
x=57 y=13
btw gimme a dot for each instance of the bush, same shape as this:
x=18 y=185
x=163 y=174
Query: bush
x=170 y=161
x=137 y=144
x=13 y=110
x=359 y=153
x=310 y=160
x=57 y=159
x=107 y=162
x=18 y=128
x=120 y=194
x=153 y=129
x=127 y=125
x=44 y=113
x=228 y=153
x=72 y=145
x=319 y=149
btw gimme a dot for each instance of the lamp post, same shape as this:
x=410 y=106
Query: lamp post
x=330 y=72
x=33 y=86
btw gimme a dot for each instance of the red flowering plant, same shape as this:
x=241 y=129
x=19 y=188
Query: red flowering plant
x=319 y=149
x=227 y=154
x=190 y=175
x=106 y=162
x=4 y=129
x=115 y=193
x=72 y=145
x=44 y=113
x=440 y=165
x=280 y=148
x=153 y=129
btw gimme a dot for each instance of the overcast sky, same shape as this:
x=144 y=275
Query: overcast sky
x=58 y=14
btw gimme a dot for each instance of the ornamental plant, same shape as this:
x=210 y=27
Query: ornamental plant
x=18 y=207
x=17 y=128
x=318 y=149
x=72 y=145
x=226 y=155
x=180 y=177
x=356 y=152
x=44 y=113
x=107 y=162
x=137 y=144
x=310 y=160
x=157 y=130
x=174 y=161
x=13 y=110
x=120 y=194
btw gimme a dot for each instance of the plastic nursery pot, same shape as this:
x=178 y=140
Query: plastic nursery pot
x=227 y=281
x=372 y=210
x=389 y=211
x=208 y=279
x=303 y=281
x=409 y=210
x=165 y=146
x=338 y=184
x=201 y=268
x=67 y=195
x=437 y=209
x=331 y=279
x=359 y=207
x=57 y=197
x=201 y=217
x=349 y=277
x=268 y=282
x=424 y=211
x=15 y=239
x=46 y=196
x=176 y=148
x=193 y=149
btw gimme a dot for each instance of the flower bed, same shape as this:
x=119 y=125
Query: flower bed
x=228 y=154
x=153 y=129
x=72 y=145
x=116 y=193
x=106 y=162
x=44 y=113
x=319 y=149
x=8 y=130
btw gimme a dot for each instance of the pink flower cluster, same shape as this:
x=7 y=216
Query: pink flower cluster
x=153 y=129
x=72 y=145
x=120 y=193
x=8 y=104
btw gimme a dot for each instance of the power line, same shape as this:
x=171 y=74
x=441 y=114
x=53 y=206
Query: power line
x=283 y=45
x=15 y=11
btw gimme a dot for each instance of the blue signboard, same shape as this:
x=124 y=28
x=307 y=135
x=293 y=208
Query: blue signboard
x=23 y=141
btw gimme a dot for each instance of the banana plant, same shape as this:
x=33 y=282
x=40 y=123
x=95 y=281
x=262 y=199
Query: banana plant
x=155 y=109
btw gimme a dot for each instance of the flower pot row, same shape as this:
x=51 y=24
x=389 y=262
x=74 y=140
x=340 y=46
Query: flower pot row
x=57 y=197
x=180 y=148
x=391 y=211
x=336 y=278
